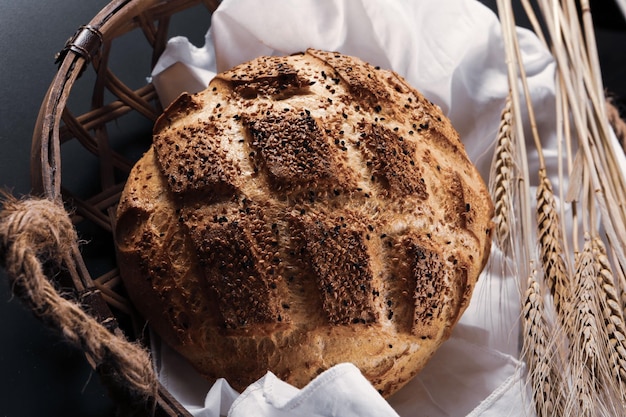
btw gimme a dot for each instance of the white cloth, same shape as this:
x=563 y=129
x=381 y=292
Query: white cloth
x=452 y=51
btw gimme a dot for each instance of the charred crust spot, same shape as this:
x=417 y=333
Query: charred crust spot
x=430 y=277
x=231 y=251
x=390 y=161
x=339 y=261
x=458 y=211
x=269 y=77
x=368 y=90
x=294 y=151
x=192 y=159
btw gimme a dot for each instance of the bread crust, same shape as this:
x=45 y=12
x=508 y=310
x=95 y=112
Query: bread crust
x=301 y=212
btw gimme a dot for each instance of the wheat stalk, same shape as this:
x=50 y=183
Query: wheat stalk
x=590 y=297
x=581 y=79
x=584 y=338
x=545 y=382
x=522 y=213
x=612 y=313
x=551 y=254
x=500 y=185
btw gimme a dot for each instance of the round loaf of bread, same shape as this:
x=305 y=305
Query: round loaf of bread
x=301 y=212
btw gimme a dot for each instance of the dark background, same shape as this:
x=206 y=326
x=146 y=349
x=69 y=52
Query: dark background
x=39 y=373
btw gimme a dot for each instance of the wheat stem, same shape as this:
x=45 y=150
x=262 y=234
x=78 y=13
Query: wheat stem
x=522 y=189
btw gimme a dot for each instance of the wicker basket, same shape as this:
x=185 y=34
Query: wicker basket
x=102 y=155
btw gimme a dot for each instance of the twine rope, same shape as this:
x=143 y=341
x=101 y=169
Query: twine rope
x=35 y=232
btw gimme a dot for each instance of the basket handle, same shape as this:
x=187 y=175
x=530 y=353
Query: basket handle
x=78 y=51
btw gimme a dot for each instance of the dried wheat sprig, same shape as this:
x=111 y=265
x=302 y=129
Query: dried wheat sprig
x=613 y=315
x=603 y=184
x=500 y=178
x=584 y=333
x=546 y=383
x=597 y=342
x=551 y=254
x=522 y=214
x=590 y=310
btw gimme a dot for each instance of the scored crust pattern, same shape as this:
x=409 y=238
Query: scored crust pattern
x=300 y=212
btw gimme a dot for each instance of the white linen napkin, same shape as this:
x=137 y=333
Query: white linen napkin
x=452 y=51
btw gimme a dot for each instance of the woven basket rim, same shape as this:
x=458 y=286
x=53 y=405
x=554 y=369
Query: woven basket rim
x=55 y=125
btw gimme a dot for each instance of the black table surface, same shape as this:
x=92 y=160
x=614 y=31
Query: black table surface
x=40 y=373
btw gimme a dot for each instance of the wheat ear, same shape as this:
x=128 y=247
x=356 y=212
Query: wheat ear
x=584 y=334
x=546 y=383
x=554 y=266
x=613 y=317
x=500 y=178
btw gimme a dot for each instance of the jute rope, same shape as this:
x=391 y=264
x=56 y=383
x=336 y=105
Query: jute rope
x=35 y=233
